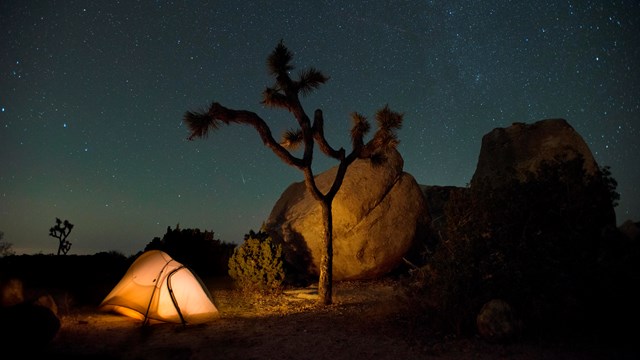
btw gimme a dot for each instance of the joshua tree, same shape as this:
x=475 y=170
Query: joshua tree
x=285 y=94
x=61 y=231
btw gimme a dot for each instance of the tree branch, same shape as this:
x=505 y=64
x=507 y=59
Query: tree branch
x=227 y=116
x=310 y=183
x=318 y=135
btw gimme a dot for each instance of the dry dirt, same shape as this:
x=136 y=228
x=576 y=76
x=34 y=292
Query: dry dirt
x=366 y=321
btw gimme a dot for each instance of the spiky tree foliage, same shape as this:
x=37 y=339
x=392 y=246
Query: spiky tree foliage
x=61 y=231
x=285 y=94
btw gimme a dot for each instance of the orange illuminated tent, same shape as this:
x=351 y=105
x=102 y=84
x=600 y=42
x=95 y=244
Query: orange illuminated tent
x=158 y=288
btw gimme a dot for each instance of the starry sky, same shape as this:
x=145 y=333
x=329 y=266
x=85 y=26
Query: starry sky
x=92 y=95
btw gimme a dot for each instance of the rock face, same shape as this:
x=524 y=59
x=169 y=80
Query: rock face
x=377 y=214
x=511 y=152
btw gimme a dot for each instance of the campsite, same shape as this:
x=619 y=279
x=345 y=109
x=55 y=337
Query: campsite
x=368 y=319
x=461 y=185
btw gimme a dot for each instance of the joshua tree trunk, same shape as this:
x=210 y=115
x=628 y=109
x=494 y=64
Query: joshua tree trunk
x=326 y=262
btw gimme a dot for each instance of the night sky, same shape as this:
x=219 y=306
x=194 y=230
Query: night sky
x=92 y=96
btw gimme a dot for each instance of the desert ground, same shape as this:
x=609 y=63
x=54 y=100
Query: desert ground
x=368 y=320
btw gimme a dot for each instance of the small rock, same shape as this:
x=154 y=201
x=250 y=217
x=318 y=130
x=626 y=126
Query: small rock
x=497 y=322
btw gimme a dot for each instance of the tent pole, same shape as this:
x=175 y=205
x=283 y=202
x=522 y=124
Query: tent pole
x=173 y=298
x=155 y=287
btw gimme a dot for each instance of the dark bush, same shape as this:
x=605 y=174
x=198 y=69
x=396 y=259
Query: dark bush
x=198 y=250
x=80 y=280
x=543 y=244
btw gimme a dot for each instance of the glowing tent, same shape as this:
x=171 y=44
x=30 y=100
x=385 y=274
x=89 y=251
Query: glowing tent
x=156 y=287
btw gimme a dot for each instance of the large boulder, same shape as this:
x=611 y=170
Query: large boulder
x=512 y=152
x=27 y=326
x=377 y=214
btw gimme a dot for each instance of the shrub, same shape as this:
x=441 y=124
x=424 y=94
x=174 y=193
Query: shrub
x=537 y=243
x=196 y=249
x=452 y=276
x=256 y=265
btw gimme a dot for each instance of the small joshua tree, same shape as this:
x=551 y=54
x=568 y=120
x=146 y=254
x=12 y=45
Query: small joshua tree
x=61 y=231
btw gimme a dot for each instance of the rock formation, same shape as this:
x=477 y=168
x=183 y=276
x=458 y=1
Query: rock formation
x=377 y=214
x=511 y=152
x=520 y=149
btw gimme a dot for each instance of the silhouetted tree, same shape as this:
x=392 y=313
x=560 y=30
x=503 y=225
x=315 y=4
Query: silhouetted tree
x=5 y=247
x=284 y=94
x=61 y=231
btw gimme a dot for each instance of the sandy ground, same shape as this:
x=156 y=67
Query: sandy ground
x=366 y=321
